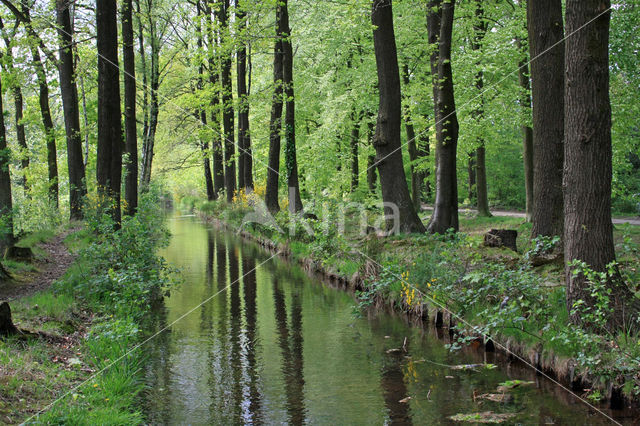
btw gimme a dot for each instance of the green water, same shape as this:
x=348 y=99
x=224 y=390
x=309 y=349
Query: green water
x=272 y=345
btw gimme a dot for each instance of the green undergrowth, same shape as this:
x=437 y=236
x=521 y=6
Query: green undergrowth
x=492 y=291
x=83 y=362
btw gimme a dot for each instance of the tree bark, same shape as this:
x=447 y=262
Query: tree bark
x=245 y=178
x=45 y=112
x=372 y=176
x=291 y=162
x=130 y=132
x=355 y=139
x=227 y=102
x=19 y=107
x=527 y=131
x=445 y=214
x=416 y=184
x=202 y=113
x=109 y=157
x=214 y=123
x=69 y=91
x=387 y=137
x=544 y=21
x=480 y=29
x=275 y=123
x=6 y=205
x=154 y=107
x=588 y=232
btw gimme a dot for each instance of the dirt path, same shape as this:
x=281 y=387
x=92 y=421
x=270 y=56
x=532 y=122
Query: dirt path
x=55 y=263
x=511 y=213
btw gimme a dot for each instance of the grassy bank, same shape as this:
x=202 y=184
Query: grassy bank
x=77 y=367
x=490 y=291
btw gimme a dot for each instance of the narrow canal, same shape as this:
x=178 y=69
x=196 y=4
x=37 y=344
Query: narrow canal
x=274 y=346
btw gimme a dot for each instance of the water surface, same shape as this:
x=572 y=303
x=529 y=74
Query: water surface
x=272 y=345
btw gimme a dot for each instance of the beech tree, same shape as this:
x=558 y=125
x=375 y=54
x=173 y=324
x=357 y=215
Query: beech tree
x=440 y=24
x=275 y=123
x=291 y=162
x=69 y=92
x=387 y=136
x=109 y=156
x=544 y=20
x=588 y=231
x=6 y=205
x=130 y=127
x=227 y=101
x=18 y=102
x=245 y=160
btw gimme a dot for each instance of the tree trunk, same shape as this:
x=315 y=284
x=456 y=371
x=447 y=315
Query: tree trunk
x=355 y=138
x=69 y=91
x=527 y=131
x=445 y=214
x=588 y=232
x=18 y=106
x=544 y=20
x=416 y=183
x=202 y=113
x=275 y=123
x=480 y=29
x=109 y=158
x=85 y=117
x=245 y=178
x=130 y=131
x=45 y=112
x=291 y=162
x=372 y=177
x=6 y=324
x=145 y=90
x=471 y=172
x=154 y=108
x=395 y=191
x=227 y=102
x=214 y=123
x=6 y=205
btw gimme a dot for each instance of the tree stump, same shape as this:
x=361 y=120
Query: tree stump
x=21 y=254
x=4 y=275
x=6 y=324
x=501 y=238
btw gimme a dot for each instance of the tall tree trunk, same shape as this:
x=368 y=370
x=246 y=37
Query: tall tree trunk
x=85 y=117
x=445 y=214
x=588 y=232
x=480 y=29
x=69 y=91
x=202 y=112
x=45 y=112
x=424 y=152
x=544 y=21
x=275 y=123
x=154 y=108
x=411 y=143
x=227 y=102
x=130 y=131
x=355 y=139
x=372 y=176
x=245 y=179
x=291 y=162
x=387 y=137
x=471 y=171
x=109 y=159
x=18 y=101
x=214 y=123
x=6 y=205
x=145 y=88
x=527 y=131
